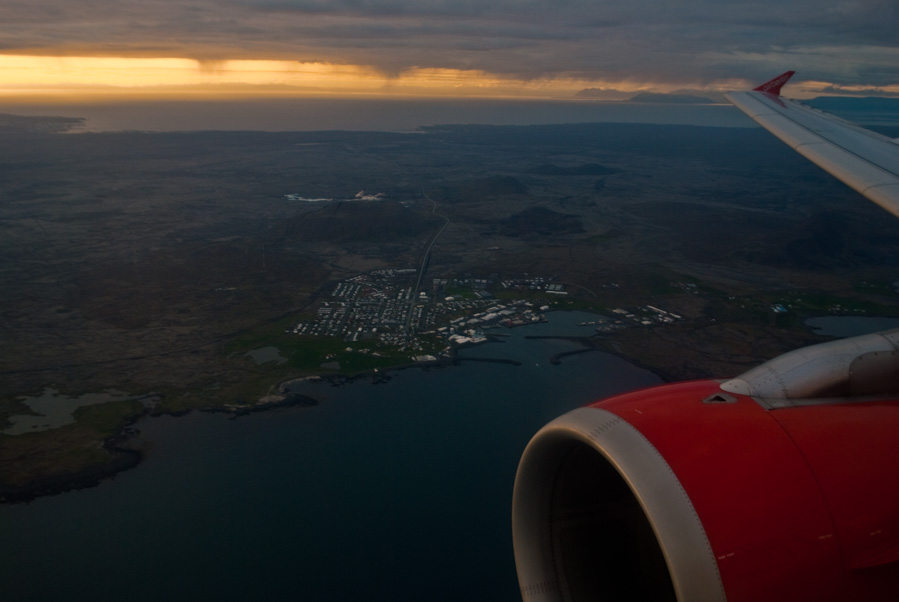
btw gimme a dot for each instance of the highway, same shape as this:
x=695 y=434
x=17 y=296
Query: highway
x=424 y=263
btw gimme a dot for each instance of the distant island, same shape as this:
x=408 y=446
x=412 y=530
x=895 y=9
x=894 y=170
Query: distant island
x=649 y=97
x=656 y=98
x=11 y=124
x=854 y=103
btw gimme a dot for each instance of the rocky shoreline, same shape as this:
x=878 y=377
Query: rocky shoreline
x=122 y=459
x=125 y=457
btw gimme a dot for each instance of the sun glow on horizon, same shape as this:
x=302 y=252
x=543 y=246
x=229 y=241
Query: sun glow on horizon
x=47 y=77
x=118 y=73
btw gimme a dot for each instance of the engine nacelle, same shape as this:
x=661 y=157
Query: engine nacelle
x=695 y=492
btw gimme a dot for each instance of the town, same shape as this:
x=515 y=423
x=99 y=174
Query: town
x=382 y=307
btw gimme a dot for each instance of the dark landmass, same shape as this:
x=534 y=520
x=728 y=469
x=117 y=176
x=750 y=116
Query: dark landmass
x=830 y=239
x=652 y=97
x=79 y=455
x=676 y=97
x=480 y=190
x=358 y=221
x=289 y=401
x=875 y=113
x=89 y=476
x=854 y=103
x=587 y=169
x=592 y=93
x=542 y=222
x=21 y=124
x=155 y=262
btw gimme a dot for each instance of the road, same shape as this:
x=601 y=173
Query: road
x=424 y=263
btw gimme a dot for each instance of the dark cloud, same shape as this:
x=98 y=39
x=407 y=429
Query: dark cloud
x=684 y=41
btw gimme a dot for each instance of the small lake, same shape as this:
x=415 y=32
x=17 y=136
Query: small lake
x=52 y=410
x=264 y=355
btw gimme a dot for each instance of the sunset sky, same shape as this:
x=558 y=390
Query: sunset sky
x=534 y=48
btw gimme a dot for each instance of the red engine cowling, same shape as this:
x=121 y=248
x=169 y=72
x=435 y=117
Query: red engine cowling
x=758 y=488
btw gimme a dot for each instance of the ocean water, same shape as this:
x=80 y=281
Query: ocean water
x=392 y=491
x=850 y=326
x=367 y=114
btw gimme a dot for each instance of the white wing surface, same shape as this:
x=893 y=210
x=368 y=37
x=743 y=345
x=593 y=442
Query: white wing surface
x=862 y=159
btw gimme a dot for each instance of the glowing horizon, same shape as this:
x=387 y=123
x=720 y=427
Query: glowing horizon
x=47 y=79
x=93 y=76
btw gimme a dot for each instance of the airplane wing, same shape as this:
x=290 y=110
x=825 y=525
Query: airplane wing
x=860 y=158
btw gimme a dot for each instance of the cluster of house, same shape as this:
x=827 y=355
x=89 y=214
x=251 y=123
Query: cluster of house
x=375 y=306
x=648 y=315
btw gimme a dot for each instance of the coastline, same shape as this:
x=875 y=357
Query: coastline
x=599 y=342
x=125 y=457
x=122 y=459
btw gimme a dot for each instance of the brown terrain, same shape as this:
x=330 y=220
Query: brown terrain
x=149 y=263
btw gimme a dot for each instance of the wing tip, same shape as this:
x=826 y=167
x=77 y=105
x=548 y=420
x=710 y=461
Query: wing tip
x=773 y=86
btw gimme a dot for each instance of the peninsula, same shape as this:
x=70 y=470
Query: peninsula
x=182 y=271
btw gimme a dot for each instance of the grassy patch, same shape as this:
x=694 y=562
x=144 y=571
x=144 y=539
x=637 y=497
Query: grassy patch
x=308 y=353
x=698 y=286
x=245 y=385
x=185 y=401
x=105 y=419
x=759 y=309
x=535 y=297
x=875 y=287
x=817 y=302
x=247 y=382
x=34 y=456
x=580 y=305
x=261 y=337
x=604 y=237
x=650 y=280
x=459 y=292
x=355 y=362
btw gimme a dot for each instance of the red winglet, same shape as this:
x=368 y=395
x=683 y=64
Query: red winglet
x=774 y=86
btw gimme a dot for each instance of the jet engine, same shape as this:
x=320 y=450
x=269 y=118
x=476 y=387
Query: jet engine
x=779 y=485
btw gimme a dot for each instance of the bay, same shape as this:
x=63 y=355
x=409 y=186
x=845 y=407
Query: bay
x=392 y=491
x=850 y=326
x=365 y=113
